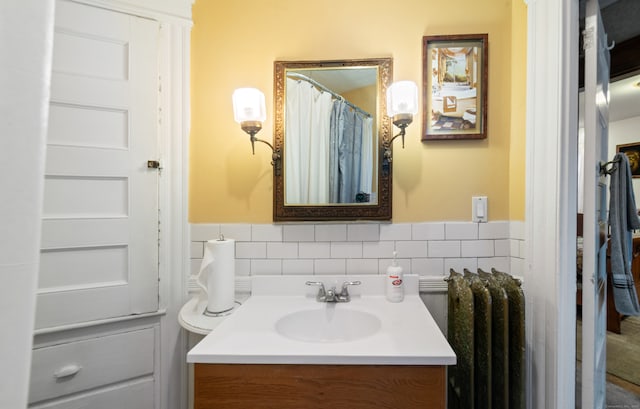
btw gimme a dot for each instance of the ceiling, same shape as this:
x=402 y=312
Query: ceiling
x=343 y=79
x=621 y=19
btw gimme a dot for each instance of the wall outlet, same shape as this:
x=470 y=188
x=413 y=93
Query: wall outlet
x=479 y=209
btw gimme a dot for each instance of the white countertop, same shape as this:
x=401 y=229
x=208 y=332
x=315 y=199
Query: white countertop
x=408 y=334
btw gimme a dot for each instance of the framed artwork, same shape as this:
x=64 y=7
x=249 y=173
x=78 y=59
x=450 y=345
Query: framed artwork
x=454 y=86
x=632 y=150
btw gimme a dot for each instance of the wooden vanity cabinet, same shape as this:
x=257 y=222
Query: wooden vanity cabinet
x=251 y=386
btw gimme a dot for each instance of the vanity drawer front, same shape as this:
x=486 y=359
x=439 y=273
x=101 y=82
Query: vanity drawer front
x=75 y=366
x=137 y=395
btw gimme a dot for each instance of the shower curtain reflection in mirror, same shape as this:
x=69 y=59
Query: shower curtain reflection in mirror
x=328 y=148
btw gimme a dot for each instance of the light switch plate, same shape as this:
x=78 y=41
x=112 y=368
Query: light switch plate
x=479 y=209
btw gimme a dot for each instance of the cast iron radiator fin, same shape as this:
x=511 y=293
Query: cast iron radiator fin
x=460 y=334
x=499 y=341
x=482 y=338
x=486 y=331
x=515 y=295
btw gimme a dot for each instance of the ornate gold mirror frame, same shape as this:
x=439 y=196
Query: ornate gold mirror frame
x=381 y=210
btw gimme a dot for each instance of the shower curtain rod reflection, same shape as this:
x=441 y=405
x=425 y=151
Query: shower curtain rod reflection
x=303 y=77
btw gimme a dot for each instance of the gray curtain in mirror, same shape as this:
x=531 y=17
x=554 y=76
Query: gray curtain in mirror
x=329 y=148
x=349 y=162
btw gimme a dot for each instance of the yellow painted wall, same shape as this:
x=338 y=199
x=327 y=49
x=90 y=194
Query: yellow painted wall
x=234 y=44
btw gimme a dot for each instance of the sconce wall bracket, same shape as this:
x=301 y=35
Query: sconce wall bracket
x=402 y=121
x=252 y=128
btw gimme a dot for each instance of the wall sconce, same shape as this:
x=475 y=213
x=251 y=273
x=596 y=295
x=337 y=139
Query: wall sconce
x=402 y=105
x=250 y=112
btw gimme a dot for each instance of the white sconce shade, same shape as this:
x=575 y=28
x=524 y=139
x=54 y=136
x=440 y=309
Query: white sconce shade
x=402 y=98
x=250 y=112
x=249 y=105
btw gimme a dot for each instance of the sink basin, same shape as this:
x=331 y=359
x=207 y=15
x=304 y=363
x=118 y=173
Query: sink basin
x=328 y=324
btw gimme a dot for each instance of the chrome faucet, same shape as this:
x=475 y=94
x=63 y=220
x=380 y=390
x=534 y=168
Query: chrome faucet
x=332 y=295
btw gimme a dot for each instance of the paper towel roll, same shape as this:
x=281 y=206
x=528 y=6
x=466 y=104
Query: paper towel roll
x=218 y=266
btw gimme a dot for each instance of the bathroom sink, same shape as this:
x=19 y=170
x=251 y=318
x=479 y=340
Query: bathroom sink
x=328 y=324
x=278 y=325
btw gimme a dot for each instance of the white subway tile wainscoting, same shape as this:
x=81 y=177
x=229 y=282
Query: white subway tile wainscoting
x=429 y=250
x=426 y=249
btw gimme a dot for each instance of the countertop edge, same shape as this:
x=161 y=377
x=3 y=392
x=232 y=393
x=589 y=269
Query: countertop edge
x=329 y=360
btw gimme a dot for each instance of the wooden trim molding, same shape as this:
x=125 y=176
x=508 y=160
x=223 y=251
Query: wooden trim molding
x=551 y=178
x=162 y=10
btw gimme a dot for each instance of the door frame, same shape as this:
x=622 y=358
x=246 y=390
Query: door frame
x=550 y=67
x=175 y=21
x=551 y=201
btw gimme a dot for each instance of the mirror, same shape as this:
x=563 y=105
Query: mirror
x=330 y=124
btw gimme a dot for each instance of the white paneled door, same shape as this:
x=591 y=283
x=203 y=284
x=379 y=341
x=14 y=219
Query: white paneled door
x=594 y=272
x=99 y=256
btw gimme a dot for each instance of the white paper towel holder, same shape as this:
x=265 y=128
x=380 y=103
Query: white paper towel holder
x=207 y=312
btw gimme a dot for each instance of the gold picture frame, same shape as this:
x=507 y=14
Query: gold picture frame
x=632 y=150
x=454 y=86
